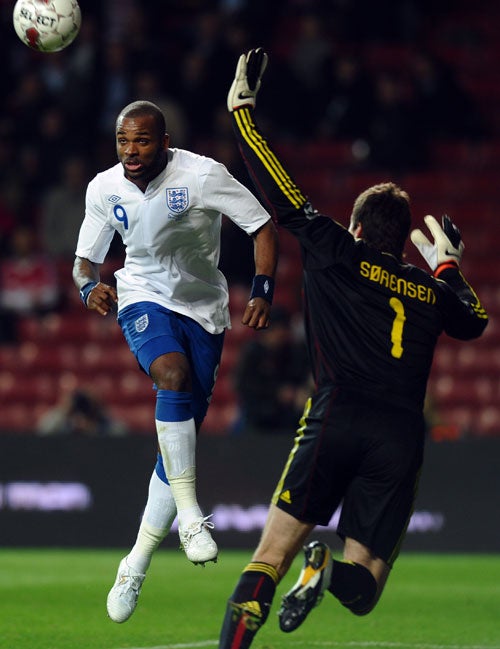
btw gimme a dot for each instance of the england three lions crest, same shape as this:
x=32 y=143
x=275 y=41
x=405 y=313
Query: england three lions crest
x=177 y=201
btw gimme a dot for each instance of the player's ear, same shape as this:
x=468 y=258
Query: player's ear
x=356 y=230
x=166 y=141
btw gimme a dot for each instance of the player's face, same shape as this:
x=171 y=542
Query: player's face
x=141 y=149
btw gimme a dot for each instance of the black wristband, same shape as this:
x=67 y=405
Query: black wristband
x=444 y=266
x=85 y=291
x=263 y=286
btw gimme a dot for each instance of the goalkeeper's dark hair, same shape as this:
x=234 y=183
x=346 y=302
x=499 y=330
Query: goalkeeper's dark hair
x=384 y=214
x=140 y=109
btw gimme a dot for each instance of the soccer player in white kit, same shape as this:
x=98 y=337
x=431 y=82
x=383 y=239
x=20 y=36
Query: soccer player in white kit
x=172 y=303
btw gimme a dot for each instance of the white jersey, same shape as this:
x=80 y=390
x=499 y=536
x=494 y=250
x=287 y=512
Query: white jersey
x=171 y=234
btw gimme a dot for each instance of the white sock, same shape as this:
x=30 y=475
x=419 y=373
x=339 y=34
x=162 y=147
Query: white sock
x=177 y=442
x=156 y=521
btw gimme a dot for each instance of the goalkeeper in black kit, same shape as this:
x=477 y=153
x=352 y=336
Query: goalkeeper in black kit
x=372 y=323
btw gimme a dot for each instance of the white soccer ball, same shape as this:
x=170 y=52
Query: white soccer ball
x=47 y=25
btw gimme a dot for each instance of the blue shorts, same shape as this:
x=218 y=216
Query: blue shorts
x=152 y=330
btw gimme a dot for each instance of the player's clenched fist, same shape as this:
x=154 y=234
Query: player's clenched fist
x=257 y=313
x=102 y=298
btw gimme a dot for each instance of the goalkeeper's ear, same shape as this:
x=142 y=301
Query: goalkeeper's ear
x=247 y=79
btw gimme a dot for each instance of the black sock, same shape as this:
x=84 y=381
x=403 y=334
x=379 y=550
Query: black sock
x=353 y=585
x=249 y=605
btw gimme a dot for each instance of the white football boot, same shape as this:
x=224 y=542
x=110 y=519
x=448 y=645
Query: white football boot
x=122 y=598
x=197 y=541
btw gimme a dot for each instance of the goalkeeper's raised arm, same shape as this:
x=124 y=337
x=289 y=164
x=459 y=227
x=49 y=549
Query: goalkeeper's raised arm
x=276 y=186
x=371 y=322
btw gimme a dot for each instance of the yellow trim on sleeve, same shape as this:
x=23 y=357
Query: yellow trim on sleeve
x=261 y=149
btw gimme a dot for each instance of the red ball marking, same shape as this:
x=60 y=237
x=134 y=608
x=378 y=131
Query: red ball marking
x=32 y=36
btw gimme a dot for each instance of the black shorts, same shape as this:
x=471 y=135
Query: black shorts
x=362 y=453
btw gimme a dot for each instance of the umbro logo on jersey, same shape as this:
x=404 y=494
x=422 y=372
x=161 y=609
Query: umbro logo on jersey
x=113 y=198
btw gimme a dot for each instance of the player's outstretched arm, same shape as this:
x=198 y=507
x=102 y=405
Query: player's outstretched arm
x=258 y=310
x=274 y=183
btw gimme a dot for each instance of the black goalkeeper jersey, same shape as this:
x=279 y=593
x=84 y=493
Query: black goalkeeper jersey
x=372 y=322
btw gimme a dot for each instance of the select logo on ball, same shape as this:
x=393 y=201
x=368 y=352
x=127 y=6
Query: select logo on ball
x=47 y=25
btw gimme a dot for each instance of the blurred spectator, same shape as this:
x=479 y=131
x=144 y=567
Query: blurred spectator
x=74 y=77
x=63 y=209
x=80 y=413
x=310 y=52
x=442 y=104
x=115 y=79
x=54 y=141
x=212 y=47
x=137 y=28
x=148 y=85
x=272 y=379
x=28 y=282
x=301 y=47
x=24 y=184
x=395 y=138
x=348 y=100
x=24 y=105
x=385 y=21
x=7 y=223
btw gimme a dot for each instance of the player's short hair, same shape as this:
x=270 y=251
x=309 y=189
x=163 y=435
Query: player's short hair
x=384 y=214
x=140 y=109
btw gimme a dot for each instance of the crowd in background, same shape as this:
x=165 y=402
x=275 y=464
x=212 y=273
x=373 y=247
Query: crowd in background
x=58 y=110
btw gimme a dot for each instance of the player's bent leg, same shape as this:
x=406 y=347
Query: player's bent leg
x=354 y=586
x=156 y=522
x=358 y=581
x=282 y=538
x=176 y=429
x=249 y=605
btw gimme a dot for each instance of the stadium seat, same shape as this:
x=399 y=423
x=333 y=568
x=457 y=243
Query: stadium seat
x=139 y=419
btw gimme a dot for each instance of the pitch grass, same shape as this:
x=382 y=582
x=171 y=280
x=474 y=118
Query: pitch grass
x=55 y=599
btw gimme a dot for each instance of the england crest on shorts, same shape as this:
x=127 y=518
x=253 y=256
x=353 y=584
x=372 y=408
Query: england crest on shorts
x=141 y=323
x=177 y=199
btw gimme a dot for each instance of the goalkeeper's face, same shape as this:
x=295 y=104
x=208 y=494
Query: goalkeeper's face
x=141 y=149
